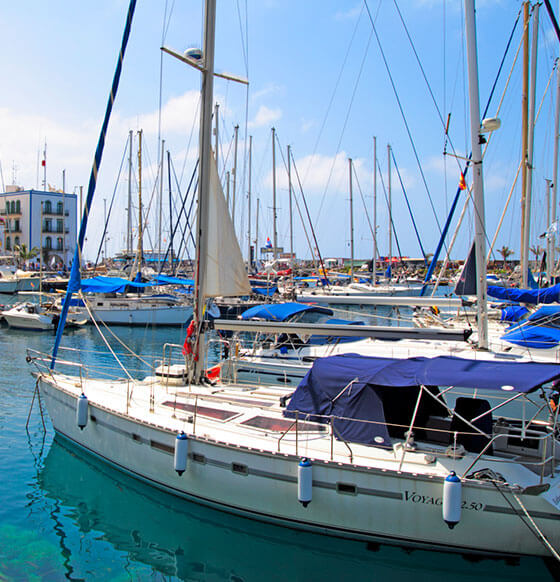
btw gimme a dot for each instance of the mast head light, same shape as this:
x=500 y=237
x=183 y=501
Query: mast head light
x=490 y=124
x=194 y=53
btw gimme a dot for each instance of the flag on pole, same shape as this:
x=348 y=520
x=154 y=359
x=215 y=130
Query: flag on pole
x=462 y=183
x=268 y=243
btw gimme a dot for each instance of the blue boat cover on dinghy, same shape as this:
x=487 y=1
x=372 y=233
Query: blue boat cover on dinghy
x=532 y=296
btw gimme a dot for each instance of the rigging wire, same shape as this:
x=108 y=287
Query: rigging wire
x=399 y=104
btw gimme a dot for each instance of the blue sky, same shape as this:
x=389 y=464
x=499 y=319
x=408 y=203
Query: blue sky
x=316 y=74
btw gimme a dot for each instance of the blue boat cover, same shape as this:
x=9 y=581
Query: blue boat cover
x=513 y=313
x=545 y=312
x=281 y=311
x=110 y=285
x=266 y=291
x=533 y=336
x=374 y=389
x=532 y=296
x=167 y=280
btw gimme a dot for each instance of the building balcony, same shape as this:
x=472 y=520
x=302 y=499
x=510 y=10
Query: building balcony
x=52 y=212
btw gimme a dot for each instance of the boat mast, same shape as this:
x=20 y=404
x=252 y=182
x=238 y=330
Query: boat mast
x=531 y=140
x=524 y=251
x=478 y=186
x=129 y=209
x=351 y=222
x=216 y=131
x=204 y=182
x=249 y=261
x=552 y=235
x=390 y=203
x=160 y=263
x=375 y=251
x=234 y=172
x=291 y=215
x=140 y=225
x=274 y=231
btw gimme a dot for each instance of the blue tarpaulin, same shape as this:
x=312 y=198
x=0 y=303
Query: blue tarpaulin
x=376 y=389
x=513 y=313
x=533 y=336
x=532 y=296
x=266 y=291
x=281 y=311
x=110 y=285
x=167 y=280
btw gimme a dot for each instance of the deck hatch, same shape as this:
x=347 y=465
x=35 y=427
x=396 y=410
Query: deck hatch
x=215 y=413
x=281 y=424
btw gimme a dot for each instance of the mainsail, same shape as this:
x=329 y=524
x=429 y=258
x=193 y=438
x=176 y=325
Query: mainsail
x=225 y=273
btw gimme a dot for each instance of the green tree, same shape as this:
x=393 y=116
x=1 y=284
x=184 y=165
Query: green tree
x=24 y=254
x=505 y=252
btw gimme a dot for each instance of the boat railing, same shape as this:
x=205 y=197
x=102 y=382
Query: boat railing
x=542 y=443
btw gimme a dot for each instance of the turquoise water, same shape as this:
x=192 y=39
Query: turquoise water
x=67 y=516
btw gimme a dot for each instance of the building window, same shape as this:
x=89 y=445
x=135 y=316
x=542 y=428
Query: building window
x=48 y=207
x=48 y=243
x=59 y=225
x=16 y=242
x=12 y=207
x=59 y=208
x=59 y=243
x=47 y=225
x=17 y=225
x=8 y=244
x=18 y=207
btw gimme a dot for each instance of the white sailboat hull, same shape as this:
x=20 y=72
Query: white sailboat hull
x=349 y=499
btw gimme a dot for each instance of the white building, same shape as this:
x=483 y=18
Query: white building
x=45 y=220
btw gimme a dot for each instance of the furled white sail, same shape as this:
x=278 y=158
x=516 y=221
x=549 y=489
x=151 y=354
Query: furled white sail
x=225 y=270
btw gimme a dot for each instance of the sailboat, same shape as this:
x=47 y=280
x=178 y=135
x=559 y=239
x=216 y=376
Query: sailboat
x=365 y=448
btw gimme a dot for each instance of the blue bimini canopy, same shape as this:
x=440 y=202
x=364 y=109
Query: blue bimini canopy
x=281 y=311
x=109 y=285
x=532 y=296
x=266 y=291
x=383 y=391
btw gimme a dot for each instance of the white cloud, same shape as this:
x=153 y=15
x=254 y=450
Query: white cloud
x=265 y=116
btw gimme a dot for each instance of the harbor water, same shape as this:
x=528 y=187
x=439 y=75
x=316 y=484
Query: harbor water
x=66 y=515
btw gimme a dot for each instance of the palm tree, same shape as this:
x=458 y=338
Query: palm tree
x=23 y=254
x=537 y=251
x=505 y=252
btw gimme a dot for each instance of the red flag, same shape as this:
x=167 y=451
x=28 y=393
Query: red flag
x=462 y=183
x=43 y=163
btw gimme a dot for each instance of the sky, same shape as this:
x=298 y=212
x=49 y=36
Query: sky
x=319 y=73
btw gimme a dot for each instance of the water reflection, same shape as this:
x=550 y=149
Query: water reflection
x=97 y=504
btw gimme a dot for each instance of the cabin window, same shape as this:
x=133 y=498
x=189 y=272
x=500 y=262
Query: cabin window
x=197 y=457
x=346 y=488
x=240 y=469
x=282 y=425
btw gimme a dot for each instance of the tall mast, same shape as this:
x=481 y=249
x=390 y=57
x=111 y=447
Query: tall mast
x=129 y=209
x=236 y=133
x=249 y=261
x=478 y=186
x=160 y=204
x=204 y=180
x=390 y=204
x=351 y=222
x=524 y=251
x=257 y=230
x=531 y=136
x=274 y=231
x=291 y=214
x=172 y=259
x=140 y=224
x=216 y=131
x=375 y=251
x=552 y=235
